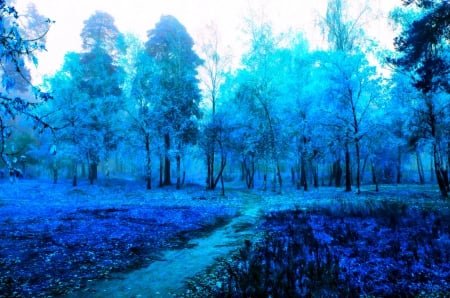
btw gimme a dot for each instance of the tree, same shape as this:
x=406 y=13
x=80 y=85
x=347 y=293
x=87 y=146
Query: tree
x=143 y=101
x=96 y=79
x=15 y=48
x=99 y=31
x=32 y=25
x=353 y=92
x=101 y=81
x=214 y=69
x=299 y=92
x=423 y=48
x=343 y=30
x=171 y=47
x=66 y=114
x=259 y=95
x=345 y=34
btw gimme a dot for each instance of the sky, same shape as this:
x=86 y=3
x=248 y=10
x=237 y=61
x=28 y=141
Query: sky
x=139 y=16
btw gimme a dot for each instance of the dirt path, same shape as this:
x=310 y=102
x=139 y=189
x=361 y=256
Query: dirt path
x=166 y=277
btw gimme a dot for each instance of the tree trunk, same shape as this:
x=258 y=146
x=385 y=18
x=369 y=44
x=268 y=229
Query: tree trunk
x=337 y=173
x=420 y=168
x=432 y=172
x=399 y=165
x=280 y=179
x=323 y=175
x=374 y=176
x=330 y=181
x=252 y=175
x=348 y=178
x=293 y=176
x=55 y=175
x=448 y=166
x=223 y=163
x=440 y=172
x=249 y=171
x=303 y=174
x=178 y=160
x=167 y=179
x=438 y=167
x=75 y=174
x=12 y=175
x=212 y=160
x=223 y=185
x=243 y=169
x=148 y=165
x=93 y=172
x=208 y=171
x=149 y=182
x=265 y=181
x=55 y=171
x=316 y=176
x=358 y=168
x=161 y=170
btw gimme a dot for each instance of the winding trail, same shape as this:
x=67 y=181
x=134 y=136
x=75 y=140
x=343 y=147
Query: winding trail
x=166 y=277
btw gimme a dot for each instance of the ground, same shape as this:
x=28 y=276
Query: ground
x=116 y=239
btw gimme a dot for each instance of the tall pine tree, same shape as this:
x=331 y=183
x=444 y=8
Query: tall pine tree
x=423 y=49
x=171 y=47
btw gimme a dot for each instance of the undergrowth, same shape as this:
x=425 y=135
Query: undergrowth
x=386 y=248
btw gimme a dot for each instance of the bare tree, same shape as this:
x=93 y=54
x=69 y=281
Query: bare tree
x=345 y=33
x=216 y=65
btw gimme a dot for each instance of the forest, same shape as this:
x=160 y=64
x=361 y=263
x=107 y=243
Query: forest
x=179 y=136
x=354 y=113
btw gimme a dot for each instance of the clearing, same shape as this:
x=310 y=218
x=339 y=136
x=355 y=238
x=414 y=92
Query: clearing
x=122 y=241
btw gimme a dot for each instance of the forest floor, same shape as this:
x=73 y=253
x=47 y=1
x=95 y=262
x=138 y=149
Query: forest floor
x=118 y=240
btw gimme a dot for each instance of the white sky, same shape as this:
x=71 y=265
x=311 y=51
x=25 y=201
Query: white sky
x=139 y=16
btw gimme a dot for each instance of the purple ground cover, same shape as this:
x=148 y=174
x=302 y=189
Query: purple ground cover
x=56 y=238
x=389 y=249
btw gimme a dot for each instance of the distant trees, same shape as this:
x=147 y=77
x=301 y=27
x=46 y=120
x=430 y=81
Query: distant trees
x=285 y=109
x=404 y=133
x=353 y=92
x=301 y=87
x=258 y=98
x=171 y=47
x=66 y=115
x=88 y=93
x=153 y=86
x=423 y=48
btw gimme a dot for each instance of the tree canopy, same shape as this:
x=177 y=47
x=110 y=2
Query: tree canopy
x=424 y=46
x=17 y=46
x=321 y=116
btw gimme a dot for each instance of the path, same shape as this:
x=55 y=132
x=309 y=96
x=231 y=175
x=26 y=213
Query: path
x=166 y=277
